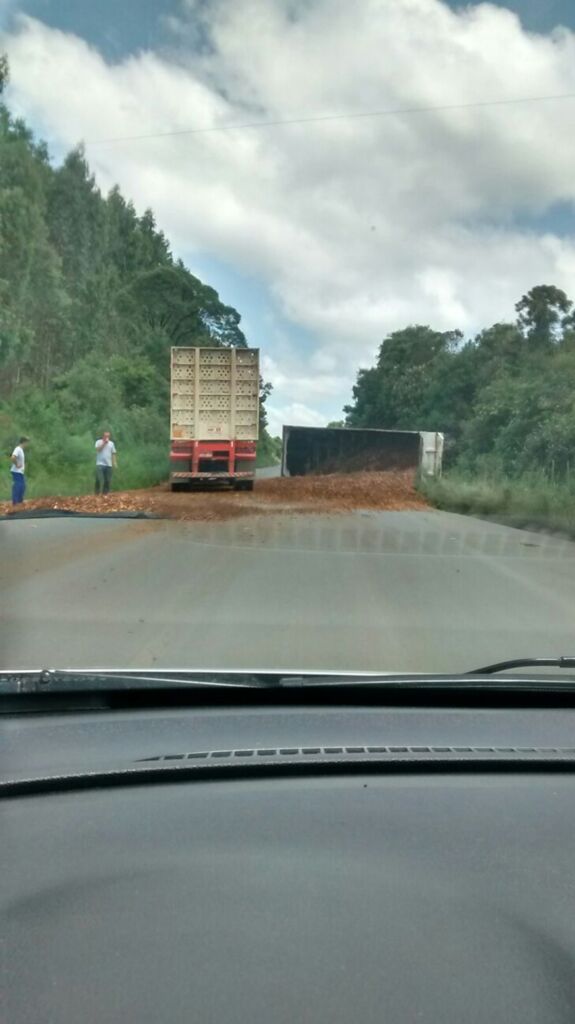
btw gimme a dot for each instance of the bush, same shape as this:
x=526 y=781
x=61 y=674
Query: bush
x=527 y=501
x=269 y=450
x=63 y=432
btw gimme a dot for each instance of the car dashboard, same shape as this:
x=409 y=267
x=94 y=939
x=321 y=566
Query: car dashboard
x=281 y=863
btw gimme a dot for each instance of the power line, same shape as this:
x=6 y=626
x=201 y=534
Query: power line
x=392 y=112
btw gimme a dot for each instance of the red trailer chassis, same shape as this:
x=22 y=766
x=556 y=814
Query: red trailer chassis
x=234 y=461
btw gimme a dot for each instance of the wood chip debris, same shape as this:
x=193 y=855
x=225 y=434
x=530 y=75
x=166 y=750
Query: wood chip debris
x=391 y=490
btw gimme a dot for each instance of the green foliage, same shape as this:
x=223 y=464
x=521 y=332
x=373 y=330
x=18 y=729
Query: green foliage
x=532 y=501
x=269 y=451
x=542 y=314
x=91 y=300
x=393 y=393
x=505 y=400
x=4 y=72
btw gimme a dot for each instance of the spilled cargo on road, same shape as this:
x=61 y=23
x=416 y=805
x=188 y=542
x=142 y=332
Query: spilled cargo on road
x=322 y=450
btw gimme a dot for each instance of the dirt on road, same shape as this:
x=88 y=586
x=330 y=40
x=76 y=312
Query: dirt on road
x=390 y=490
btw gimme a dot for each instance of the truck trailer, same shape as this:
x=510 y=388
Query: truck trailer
x=214 y=416
x=350 y=450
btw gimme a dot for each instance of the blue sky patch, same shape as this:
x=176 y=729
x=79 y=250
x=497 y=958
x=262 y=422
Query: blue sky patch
x=115 y=27
x=118 y=28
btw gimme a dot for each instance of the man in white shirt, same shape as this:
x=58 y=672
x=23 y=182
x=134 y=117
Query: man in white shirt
x=105 y=462
x=18 y=460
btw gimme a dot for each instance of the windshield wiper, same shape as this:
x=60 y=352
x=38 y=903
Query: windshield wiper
x=74 y=680
x=506 y=666
x=85 y=680
x=98 y=680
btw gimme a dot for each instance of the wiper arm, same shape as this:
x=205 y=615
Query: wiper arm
x=505 y=666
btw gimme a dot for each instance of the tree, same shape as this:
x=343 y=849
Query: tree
x=152 y=247
x=524 y=420
x=266 y=389
x=542 y=314
x=91 y=299
x=34 y=325
x=175 y=308
x=120 y=235
x=75 y=215
x=4 y=72
x=393 y=393
x=505 y=400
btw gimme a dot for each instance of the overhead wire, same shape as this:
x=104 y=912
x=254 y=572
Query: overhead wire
x=323 y=118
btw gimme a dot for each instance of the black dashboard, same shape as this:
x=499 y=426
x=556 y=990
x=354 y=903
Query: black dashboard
x=288 y=863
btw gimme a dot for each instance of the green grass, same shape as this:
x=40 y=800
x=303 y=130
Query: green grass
x=142 y=468
x=530 y=501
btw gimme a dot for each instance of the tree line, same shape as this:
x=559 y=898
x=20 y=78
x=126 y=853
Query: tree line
x=91 y=300
x=505 y=399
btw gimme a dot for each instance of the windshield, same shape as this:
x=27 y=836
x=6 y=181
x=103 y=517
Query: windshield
x=287 y=335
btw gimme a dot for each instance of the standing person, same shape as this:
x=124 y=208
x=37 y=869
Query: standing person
x=18 y=460
x=105 y=462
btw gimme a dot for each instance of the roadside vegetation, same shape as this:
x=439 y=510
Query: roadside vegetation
x=505 y=401
x=269 y=451
x=91 y=300
x=530 y=501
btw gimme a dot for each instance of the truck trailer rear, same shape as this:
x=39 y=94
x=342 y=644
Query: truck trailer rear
x=321 y=450
x=214 y=415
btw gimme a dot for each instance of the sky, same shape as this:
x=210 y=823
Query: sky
x=328 y=232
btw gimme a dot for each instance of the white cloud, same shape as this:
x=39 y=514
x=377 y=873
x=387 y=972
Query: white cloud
x=356 y=227
x=295 y=414
x=291 y=374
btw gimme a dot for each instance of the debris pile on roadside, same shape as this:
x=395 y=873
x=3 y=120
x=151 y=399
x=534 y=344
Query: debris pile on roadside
x=390 y=490
x=368 y=462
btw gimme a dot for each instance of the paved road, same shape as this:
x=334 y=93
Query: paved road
x=406 y=591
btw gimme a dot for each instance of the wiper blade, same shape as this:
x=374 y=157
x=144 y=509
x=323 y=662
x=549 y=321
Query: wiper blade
x=68 y=681
x=83 y=680
x=506 y=666
x=76 y=680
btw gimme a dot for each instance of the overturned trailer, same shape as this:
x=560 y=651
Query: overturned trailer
x=351 y=450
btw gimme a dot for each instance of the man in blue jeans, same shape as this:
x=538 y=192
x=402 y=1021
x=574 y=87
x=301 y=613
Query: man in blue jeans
x=18 y=460
x=105 y=462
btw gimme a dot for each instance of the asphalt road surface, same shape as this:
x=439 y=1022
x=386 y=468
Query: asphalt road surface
x=408 y=591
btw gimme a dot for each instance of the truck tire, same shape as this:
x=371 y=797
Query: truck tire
x=244 y=485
